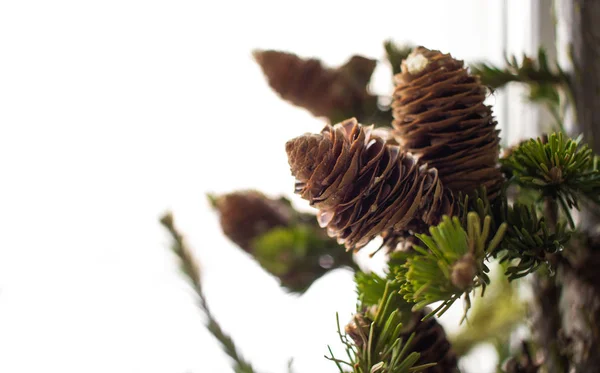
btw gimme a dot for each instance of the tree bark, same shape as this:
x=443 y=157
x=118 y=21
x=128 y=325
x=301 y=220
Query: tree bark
x=578 y=273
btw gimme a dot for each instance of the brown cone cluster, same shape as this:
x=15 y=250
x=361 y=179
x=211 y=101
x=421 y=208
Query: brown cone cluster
x=246 y=215
x=333 y=93
x=431 y=342
x=363 y=186
x=440 y=117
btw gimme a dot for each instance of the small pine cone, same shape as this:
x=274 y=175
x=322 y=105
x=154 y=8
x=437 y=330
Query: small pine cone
x=325 y=92
x=363 y=186
x=439 y=116
x=358 y=329
x=246 y=215
x=431 y=342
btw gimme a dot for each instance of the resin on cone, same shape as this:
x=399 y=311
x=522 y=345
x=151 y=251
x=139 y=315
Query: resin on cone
x=440 y=117
x=363 y=186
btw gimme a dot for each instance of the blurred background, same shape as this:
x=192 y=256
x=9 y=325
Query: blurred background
x=112 y=112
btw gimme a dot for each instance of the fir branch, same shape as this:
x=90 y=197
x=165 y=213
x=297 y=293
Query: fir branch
x=560 y=168
x=548 y=86
x=529 y=240
x=528 y=70
x=191 y=270
x=373 y=341
x=451 y=263
x=370 y=288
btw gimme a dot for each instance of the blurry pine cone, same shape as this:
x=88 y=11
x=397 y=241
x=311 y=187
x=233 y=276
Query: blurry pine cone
x=333 y=93
x=363 y=186
x=286 y=243
x=439 y=116
x=246 y=215
x=431 y=342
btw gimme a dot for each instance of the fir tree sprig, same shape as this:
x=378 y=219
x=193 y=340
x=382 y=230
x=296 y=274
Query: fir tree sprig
x=451 y=263
x=529 y=241
x=373 y=341
x=545 y=81
x=370 y=288
x=191 y=270
x=528 y=70
x=560 y=168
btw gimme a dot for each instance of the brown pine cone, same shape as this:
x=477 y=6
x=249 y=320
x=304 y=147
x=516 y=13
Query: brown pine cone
x=246 y=215
x=363 y=186
x=325 y=92
x=440 y=117
x=431 y=342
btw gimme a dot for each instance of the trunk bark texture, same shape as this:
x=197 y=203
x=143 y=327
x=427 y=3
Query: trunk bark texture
x=578 y=272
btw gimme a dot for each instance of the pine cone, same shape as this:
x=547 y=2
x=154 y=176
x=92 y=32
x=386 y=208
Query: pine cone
x=286 y=243
x=363 y=186
x=439 y=116
x=333 y=93
x=246 y=215
x=431 y=342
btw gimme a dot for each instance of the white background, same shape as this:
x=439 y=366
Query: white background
x=112 y=112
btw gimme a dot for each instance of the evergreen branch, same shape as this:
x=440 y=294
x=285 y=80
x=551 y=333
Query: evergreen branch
x=451 y=263
x=530 y=71
x=560 y=168
x=529 y=240
x=191 y=270
x=373 y=340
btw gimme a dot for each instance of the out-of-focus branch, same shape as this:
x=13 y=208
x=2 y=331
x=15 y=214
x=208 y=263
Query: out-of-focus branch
x=191 y=270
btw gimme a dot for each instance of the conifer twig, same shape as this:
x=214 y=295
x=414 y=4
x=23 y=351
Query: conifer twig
x=191 y=270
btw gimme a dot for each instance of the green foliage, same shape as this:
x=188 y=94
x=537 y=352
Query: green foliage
x=529 y=241
x=560 y=168
x=452 y=264
x=545 y=82
x=299 y=254
x=191 y=270
x=396 y=53
x=278 y=249
x=529 y=70
x=370 y=288
x=373 y=341
x=479 y=203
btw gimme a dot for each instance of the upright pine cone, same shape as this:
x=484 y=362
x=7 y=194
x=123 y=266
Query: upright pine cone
x=431 y=342
x=333 y=93
x=246 y=215
x=439 y=116
x=363 y=186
